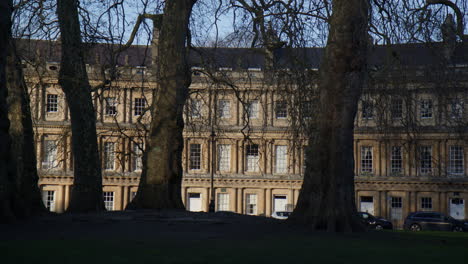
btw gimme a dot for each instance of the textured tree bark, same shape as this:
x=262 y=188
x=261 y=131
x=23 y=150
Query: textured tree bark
x=29 y=200
x=6 y=170
x=161 y=177
x=87 y=185
x=326 y=201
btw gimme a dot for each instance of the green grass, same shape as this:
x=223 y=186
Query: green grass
x=373 y=247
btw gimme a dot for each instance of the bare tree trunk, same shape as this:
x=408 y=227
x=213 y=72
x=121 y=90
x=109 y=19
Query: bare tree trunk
x=87 y=186
x=22 y=137
x=326 y=200
x=6 y=170
x=161 y=178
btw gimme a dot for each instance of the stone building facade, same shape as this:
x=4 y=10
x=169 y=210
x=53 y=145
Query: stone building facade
x=410 y=139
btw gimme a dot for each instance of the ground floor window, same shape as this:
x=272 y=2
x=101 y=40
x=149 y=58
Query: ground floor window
x=251 y=204
x=426 y=203
x=48 y=198
x=396 y=208
x=223 y=202
x=109 y=200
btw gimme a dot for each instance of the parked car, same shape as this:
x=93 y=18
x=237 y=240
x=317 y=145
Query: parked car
x=375 y=222
x=434 y=221
x=281 y=215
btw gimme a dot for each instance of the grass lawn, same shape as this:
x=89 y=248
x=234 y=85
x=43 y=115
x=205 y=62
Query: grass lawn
x=371 y=247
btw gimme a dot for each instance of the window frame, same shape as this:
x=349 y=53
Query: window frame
x=367 y=165
x=110 y=106
x=109 y=156
x=195 y=156
x=252 y=158
x=52 y=102
x=457 y=163
x=426 y=108
x=139 y=106
x=281 y=109
x=224 y=108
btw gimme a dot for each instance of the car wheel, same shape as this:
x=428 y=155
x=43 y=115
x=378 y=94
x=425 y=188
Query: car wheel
x=457 y=229
x=415 y=227
x=378 y=227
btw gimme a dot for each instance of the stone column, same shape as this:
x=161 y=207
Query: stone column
x=67 y=196
x=239 y=194
x=268 y=202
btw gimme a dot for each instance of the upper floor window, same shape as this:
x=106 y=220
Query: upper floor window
x=252 y=109
x=195 y=157
x=109 y=155
x=137 y=163
x=456 y=160
x=49 y=158
x=195 y=108
x=281 y=159
x=52 y=103
x=111 y=106
x=426 y=107
x=456 y=108
x=396 y=108
x=139 y=106
x=224 y=157
x=367 y=110
x=425 y=159
x=396 y=160
x=224 y=108
x=306 y=109
x=366 y=159
x=252 y=158
x=281 y=109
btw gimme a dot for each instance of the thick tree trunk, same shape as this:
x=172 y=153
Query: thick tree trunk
x=6 y=170
x=326 y=201
x=161 y=178
x=87 y=186
x=29 y=200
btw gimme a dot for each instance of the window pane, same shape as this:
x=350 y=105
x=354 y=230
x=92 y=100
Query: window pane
x=280 y=159
x=281 y=109
x=426 y=108
x=52 y=103
x=224 y=109
x=252 y=158
x=366 y=159
x=396 y=160
x=137 y=155
x=456 y=160
x=195 y=156
x=110 y=106
x=195 y=108
x=109 y=156
x=223 y=202
x=396 y=108
x=251 y=204
x=109 y=200
x=224 y=157
x=425 y=159
x=252 y=109
x=139 y=106
x=367 y=110
x=49 y=160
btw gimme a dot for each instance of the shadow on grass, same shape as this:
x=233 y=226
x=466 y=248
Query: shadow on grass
x=373 y=247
